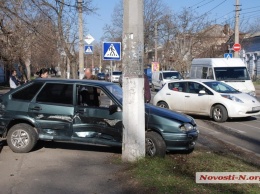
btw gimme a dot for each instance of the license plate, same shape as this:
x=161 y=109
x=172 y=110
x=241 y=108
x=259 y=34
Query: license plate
x=256 y=108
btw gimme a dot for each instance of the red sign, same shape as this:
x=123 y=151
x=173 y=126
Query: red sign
x=236 y=47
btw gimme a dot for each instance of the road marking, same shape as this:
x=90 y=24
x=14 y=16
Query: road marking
x=249 y=125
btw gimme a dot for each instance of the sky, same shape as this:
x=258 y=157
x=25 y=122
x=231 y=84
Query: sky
x=219 y=10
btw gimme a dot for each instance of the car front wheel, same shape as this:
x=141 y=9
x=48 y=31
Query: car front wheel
x=219 y=113
x=163 y=105
x=21 y=138
x=154 y=145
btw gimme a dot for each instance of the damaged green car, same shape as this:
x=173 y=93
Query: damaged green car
x=85 y=111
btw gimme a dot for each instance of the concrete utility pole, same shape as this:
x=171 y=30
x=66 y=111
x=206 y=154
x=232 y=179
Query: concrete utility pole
x=133 y=82
x=237 y=28
x=81 y=43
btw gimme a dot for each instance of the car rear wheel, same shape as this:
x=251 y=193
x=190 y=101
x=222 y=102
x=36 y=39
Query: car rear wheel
x=21 y=138
x=154 y=145
x=163 y=105
x=219 y=113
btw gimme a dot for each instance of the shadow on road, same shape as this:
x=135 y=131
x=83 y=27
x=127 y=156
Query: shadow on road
x=69 y=146
x=74 y=146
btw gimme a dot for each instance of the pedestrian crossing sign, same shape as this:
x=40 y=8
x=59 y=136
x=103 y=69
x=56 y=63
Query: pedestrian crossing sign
x=112 y=51
x=88 y=49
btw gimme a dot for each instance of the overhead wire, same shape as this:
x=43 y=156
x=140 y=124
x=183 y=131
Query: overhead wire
x=196 y=4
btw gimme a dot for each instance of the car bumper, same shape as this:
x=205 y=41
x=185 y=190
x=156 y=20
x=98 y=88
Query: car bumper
x=182 y=141
x=115 y=80
x=243 y=111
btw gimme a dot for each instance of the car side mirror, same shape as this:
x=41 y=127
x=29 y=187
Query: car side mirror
x=113 y=108
x=202 y=92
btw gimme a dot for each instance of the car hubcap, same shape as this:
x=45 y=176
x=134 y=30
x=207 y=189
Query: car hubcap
x=150 y=147
x=217 y=114
x=20 y=139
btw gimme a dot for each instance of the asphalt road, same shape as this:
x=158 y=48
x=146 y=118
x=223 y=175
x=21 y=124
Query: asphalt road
x=60 y=168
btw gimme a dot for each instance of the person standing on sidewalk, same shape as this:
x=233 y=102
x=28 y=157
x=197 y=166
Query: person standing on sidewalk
x=44 y=73
x=13 y=81
x=89 y=75
x=147 y=91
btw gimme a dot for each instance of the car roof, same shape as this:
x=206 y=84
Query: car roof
x=193 y=80
x=74 y=81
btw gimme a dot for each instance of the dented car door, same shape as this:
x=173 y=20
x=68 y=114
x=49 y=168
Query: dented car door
x=97 y=118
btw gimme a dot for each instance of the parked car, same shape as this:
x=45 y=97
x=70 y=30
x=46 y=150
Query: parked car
x=115 y=76
x=207 y=97
x=232 y=71
x=159 y=78
x=101 y=76
x=85 y=111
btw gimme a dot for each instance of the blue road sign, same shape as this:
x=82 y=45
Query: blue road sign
x=112 y=51
x=228 y=55
x=88 y=49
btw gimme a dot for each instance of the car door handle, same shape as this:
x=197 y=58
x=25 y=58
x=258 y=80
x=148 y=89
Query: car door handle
x=168 y=94
x=187 y=96
x=36 y=108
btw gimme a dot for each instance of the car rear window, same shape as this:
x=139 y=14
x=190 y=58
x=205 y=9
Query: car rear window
x=56 y=93
x=27 y=93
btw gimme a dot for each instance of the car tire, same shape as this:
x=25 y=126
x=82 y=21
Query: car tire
x=219 y=113
x=21 y=138
x=154 y=145
x=163 y=105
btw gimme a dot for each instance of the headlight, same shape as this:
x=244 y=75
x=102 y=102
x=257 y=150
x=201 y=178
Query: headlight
x=233 y=98
x=186 y=127
x=252 y=93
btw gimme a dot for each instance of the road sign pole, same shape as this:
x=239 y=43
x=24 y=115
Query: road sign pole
x=111 y=71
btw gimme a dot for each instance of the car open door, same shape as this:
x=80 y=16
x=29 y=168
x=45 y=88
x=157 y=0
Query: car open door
x=97 y=118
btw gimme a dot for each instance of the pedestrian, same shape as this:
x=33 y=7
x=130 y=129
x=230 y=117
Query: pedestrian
x=147 y=92
x=13 y=81
x=88 y=74
x=44 y=73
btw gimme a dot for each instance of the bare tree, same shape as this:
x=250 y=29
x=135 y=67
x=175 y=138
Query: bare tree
x=41 y=30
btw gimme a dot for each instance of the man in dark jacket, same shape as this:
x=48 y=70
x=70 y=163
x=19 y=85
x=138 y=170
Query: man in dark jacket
x=88 y=74
x=147 y=92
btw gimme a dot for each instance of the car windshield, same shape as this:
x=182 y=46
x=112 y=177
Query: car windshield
x=117 y=73
x=231 y=73
x=172 y=75
x=116 y=90
x=101 y=74
x=221 y=87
